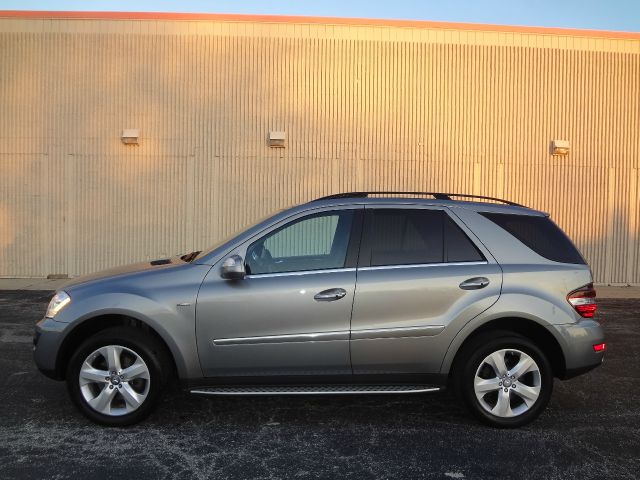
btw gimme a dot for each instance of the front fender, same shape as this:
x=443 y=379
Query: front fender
x=175 y=325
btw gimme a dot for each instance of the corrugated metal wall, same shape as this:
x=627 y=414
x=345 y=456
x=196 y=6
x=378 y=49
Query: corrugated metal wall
x=363 y=108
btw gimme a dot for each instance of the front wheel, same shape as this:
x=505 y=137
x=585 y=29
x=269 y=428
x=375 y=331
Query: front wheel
x=506 y=381
x=116 y=376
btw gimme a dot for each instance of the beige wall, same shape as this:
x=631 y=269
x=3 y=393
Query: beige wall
x=364 y=107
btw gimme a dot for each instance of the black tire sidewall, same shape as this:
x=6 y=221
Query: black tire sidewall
x=145 y=346
x=479 y=352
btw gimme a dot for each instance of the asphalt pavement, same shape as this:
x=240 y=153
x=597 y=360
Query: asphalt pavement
x=591 y=428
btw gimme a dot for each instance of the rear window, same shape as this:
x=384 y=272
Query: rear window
x=540 y=234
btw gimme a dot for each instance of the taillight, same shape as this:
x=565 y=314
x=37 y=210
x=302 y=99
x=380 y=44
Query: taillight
x=584 y=300
x=600 y=347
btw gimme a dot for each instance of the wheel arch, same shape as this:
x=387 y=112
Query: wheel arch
x=92 y=325
x=528 y=328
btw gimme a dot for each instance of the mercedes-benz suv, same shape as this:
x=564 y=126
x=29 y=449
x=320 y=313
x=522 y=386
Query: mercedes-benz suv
x=365 y=292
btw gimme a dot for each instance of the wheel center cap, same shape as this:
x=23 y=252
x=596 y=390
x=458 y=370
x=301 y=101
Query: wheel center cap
x=115 y=379
x=507 y=382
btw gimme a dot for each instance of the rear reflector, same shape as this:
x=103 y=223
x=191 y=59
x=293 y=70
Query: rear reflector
x=599 y=347
x=583 y=300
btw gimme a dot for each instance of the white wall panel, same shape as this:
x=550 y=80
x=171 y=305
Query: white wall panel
x=364 y=107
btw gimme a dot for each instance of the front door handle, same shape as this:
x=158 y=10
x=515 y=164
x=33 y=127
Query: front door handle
x=474 y=283
x=330 y=295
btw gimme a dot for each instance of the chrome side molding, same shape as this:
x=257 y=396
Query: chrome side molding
x=404 y=332
x=297 y=337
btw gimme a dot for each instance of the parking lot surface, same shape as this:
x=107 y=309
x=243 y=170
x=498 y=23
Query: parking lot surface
x=591 y=428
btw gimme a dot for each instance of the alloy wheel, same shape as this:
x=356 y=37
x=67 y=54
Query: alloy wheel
x=507 y=383
x=114 y=380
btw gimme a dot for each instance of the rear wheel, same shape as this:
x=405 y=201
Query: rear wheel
x=506 y=381
x=116 y=376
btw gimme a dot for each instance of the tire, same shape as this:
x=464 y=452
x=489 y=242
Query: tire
x=106 y=397
x=502 y=402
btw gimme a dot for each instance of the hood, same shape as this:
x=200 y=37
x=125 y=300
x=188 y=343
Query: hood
x=123 y=270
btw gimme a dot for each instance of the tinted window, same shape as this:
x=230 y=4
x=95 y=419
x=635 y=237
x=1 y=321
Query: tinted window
x=540 y=234
x=404 y=237
x=316 y=242
x=458 y=247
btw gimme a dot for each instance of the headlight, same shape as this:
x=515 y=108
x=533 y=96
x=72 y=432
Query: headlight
x=57 y=303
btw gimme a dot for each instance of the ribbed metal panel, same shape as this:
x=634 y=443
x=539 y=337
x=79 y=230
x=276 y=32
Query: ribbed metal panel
x=363 y=107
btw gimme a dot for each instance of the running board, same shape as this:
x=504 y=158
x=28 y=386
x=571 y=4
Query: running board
x=314 y=389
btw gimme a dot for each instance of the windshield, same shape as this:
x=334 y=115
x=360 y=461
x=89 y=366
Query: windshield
x=232 y=236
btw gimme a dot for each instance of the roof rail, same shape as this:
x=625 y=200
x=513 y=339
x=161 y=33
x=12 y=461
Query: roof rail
x=436 y=195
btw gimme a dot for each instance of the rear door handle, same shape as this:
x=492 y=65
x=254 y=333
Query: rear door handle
x=330 y=295
x=474 y=283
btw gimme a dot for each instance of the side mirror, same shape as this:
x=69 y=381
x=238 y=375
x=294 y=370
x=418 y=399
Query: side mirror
x=233 y=268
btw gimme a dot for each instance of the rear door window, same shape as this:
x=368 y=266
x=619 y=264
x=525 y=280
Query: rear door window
x=395 y=236
x=540 y=234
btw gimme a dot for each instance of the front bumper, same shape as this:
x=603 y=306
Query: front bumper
x=47 y=341
x=577 y=342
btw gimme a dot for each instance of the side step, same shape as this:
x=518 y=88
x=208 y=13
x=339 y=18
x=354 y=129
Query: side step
x=313 y=389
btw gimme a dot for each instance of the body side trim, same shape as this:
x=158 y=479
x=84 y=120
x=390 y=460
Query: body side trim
x=302 y=272
x=422 y=265
x=403 y=332
x=292 y=338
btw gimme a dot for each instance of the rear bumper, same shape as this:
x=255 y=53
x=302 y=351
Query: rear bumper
x=577 y=342
x=47 y=340
x=575 y=372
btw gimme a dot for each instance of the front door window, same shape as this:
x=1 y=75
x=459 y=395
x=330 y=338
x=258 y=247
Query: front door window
x=315 y=242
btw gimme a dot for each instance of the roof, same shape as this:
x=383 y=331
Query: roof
x=85 y=15
x=485 y=206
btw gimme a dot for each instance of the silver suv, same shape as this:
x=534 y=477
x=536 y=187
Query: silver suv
x=365 y=292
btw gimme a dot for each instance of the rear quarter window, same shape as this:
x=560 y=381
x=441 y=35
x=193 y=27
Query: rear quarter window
x=458 y=247
x=540 y=234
